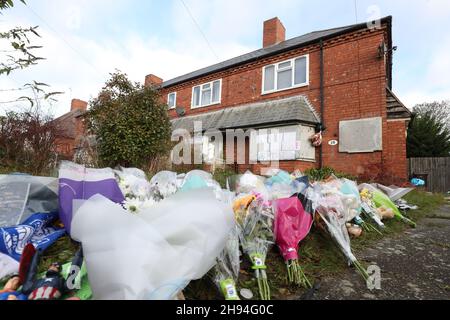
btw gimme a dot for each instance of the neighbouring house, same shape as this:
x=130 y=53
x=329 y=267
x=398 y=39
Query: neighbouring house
x=72 y=130
x=336 y=81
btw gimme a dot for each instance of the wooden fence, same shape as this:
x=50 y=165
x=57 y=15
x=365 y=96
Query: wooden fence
x=436 y=172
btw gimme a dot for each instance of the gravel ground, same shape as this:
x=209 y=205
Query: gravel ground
x=414 y=265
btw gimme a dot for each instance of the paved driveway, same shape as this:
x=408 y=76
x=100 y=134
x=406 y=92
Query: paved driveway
x=414 y=265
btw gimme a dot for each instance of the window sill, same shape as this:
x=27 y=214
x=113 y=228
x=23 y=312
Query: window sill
x=281 y=90
x=304 y=160
x=206 y=105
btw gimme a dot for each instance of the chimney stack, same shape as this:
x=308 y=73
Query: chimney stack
x=78 y=104
x=152 y=80
x=274 y=32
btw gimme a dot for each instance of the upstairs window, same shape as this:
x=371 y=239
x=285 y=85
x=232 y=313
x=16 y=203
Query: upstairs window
x=172 y=100
x=207 y=94
x=286 y=75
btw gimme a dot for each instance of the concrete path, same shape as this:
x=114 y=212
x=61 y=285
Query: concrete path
x=414 y=265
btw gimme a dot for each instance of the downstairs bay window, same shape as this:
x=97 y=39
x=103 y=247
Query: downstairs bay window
x=282 y=144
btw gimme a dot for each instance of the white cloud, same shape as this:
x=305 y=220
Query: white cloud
x=78 y=60
x=434 y=85
x=79 y=65
x=411 y=98
x=438 y=75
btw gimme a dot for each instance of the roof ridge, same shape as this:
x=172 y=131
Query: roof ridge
x=288 y=44
x=343 y=27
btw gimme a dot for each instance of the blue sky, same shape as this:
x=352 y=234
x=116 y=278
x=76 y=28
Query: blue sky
x=85 y=40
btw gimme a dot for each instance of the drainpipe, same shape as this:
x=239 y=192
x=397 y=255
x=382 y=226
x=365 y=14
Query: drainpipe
x=322 y=102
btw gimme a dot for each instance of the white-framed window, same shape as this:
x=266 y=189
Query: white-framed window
x=285 y=75
x=172 y=100
x=282 y=143
x=206 y=94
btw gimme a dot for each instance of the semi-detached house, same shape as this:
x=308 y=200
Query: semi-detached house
x=336 y=81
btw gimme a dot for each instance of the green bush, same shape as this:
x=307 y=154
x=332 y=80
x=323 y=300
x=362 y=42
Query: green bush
x=326 y=172
x=221 y=176
x=130 y=123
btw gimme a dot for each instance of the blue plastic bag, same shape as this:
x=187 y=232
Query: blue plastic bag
x=418 y=182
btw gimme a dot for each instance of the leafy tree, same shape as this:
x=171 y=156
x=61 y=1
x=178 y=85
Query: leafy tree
x=20 y=55
x=131 y=124
x=5 y=4
x=429 y=130
x=439 y=110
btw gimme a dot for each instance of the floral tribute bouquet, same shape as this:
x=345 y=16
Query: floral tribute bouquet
x=332 y=217
x=292 y=224
x=135 y=188
x=255 y=219
x=380 y=206
x=227 y=267
x=369 y=207
x=351 y=199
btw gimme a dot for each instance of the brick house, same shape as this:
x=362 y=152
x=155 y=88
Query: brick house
x=336 y=81
x=72 y=130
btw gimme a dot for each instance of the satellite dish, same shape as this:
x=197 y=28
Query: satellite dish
x=180 y=111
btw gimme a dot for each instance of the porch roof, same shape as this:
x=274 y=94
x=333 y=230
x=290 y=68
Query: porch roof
x=266 y=113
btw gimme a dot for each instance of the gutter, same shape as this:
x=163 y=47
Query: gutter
x=266 y=125
x=174 y=82
x=391 y=53
x=322 y=102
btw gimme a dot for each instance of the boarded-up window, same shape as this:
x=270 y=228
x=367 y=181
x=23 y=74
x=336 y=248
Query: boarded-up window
x=305 y=150
x=360 y=136
x=282 y=143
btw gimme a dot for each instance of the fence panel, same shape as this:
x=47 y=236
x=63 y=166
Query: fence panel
x=436 y=171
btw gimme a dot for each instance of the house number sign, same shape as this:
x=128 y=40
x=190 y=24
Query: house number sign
x=333 y=142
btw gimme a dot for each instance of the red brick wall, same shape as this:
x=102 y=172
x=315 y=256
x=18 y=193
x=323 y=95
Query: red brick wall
x=274 y=32
x=394 y=154
x=65 y=146
x=354 y=80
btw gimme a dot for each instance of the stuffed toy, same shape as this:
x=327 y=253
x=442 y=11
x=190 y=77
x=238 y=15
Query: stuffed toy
x=10 y=291
x=53 y=285
x=354 y=230
x=385 y=213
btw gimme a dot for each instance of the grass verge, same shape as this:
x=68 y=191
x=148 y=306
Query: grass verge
x=318 y=256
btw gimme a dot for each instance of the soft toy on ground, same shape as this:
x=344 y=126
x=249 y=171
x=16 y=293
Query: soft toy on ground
x=53 y=285
x=385 y=213
x=354 y=230
x=10 y=291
